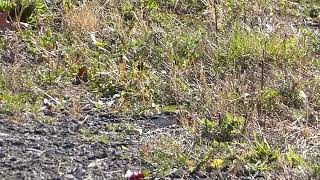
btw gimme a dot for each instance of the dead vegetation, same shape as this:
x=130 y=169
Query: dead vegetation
x=85 y=17
x=242 y=76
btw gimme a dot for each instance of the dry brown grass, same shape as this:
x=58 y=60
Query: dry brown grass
x=82 y=18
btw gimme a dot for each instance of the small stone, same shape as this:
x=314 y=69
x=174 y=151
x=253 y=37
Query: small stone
x=3 y=134
x=69 y=177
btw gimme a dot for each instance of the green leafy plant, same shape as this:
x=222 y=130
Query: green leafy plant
x=223 y=130
x=270 y=99
x=19 y=101
x=262 y=155
x=293 y=158
x=4 y=5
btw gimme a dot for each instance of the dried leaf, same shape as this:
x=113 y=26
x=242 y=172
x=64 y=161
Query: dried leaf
x=83 y=73
x=4 y=24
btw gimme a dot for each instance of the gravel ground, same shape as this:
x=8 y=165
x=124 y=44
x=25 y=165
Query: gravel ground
x=34 y=150
x=94 y=147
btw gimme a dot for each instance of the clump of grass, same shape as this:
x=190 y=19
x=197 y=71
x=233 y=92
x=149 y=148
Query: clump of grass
x=19 y=101
x=92 y=136
x=83 y=17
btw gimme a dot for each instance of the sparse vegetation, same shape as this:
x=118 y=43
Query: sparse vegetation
x=243 y=77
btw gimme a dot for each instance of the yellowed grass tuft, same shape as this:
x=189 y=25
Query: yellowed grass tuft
x=83 y=18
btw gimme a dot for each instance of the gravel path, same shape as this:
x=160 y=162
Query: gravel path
x=101 y=147
x=93 y=147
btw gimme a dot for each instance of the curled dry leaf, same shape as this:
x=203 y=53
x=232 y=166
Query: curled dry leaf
x=82 y=75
